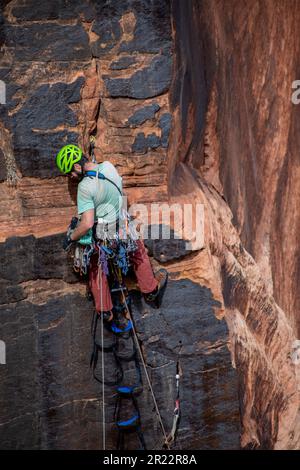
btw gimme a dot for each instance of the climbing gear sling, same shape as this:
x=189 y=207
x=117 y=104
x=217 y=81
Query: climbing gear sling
x=132 y=424
x=101 y=176
x=176 y=415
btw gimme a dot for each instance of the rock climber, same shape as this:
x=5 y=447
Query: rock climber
x=99 y=200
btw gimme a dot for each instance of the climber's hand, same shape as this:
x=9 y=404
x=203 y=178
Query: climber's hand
x=67 y=243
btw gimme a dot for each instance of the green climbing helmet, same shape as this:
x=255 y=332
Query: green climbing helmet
x=67 y=157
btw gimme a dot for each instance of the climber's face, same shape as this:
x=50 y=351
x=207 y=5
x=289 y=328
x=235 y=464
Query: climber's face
x=76 y=172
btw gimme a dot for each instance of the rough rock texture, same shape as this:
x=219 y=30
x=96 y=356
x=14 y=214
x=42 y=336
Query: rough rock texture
x=240 y=127
x=235 y=124
x=192 y=105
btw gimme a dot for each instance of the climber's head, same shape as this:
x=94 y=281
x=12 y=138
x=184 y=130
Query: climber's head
x=70 y=161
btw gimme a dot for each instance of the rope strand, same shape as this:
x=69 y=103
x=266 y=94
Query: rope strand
x=102 y=363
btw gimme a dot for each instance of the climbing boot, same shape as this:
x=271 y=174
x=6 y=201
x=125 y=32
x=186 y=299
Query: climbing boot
x=155 y=297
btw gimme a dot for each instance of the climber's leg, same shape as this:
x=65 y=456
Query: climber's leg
x=98 y=284
x=152 y=286
x=143 y=269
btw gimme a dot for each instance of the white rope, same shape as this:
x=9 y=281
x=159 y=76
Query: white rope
x=102 y=362
x=146 y=373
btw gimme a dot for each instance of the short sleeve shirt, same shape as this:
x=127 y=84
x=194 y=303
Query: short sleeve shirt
x=101 y=195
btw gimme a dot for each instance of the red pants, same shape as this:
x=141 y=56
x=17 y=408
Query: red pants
x=98 y=281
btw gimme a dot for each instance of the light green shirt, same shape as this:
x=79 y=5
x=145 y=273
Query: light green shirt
x=101 y=195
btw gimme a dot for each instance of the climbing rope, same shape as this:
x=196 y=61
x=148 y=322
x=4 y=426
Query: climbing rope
x=87 y=259
x=102 y=364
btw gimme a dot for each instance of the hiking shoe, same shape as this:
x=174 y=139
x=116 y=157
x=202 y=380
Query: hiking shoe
x=155 y=297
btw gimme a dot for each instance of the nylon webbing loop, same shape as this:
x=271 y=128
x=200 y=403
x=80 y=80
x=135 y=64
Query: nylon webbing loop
x=101 y=176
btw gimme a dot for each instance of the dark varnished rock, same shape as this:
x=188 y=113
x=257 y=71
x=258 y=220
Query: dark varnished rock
x=46 y=108
x=28 y=258
x=53 y=10
x=192 y=335
x=152 y=33
x=10 y=293
x=143 y=114
x=165 y=125
x=48 y=399
x=35 y=152
x=109 y=32
x=123 y=63
x=163 y=244
x=44 y=42
x=146 y=83
x=3 y=173
x=143 y=143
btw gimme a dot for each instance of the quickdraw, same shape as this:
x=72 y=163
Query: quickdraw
x=82 y=256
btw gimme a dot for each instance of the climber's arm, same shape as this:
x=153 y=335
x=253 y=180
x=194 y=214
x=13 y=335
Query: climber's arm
x=86 y=209
x=86 y=222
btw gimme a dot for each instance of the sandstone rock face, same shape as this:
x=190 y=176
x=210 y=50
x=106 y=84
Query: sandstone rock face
x=192 y=104
x=242 y=127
